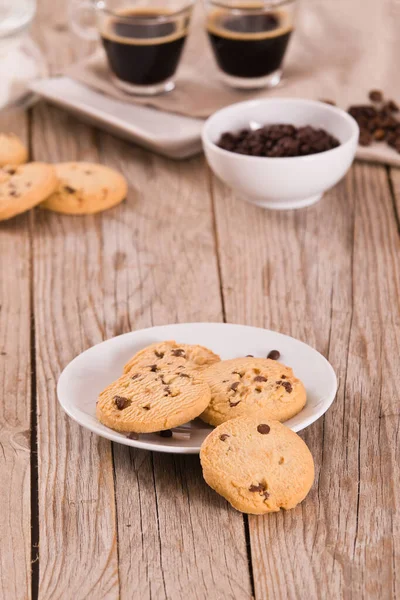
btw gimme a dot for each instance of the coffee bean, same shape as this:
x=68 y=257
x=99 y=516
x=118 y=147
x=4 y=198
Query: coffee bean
x=392 y=106
x=263 y=428
x=379 y=134
x=278 y=140
x=223 y=437
x=375 y=96
x=365 y=138
x=274 y=355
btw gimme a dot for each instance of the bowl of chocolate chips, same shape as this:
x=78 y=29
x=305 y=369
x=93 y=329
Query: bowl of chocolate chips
x=280 y=153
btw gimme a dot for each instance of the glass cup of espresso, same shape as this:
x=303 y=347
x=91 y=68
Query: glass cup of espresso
x=143 y=40
x=249 y=39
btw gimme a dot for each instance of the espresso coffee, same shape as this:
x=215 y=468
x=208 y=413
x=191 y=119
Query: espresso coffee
x=249 y=44
x=142 y=48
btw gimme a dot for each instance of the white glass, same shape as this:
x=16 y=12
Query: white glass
x=249 y=39
x=21 y=61
x=143 y=39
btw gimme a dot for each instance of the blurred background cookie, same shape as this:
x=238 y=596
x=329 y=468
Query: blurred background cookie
x=23 y=187
x=86 y=188
x=12 y=150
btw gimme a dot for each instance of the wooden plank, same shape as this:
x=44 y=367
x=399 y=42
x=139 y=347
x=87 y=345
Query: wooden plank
x=15 y=386
x=330 y=276
x=176 y=538
x=78 y=551
x=78 y=554
x=135 y=266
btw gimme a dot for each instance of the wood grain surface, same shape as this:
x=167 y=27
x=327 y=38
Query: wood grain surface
x=116 y=522
x=15 y=389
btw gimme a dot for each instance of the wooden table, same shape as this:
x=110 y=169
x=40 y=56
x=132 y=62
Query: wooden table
x=83 y=518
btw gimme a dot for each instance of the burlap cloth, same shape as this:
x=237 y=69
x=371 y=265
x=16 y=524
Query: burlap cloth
x=339 y=51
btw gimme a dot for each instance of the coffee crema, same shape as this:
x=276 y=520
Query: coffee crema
x=143 y=48
x=249 y=44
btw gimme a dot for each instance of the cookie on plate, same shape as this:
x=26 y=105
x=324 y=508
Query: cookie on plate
x=150 y=399
x=258 y=465
x=12 y=150
x=24 y=186
x=86 y=188
x=252 y=386
x=171 y=355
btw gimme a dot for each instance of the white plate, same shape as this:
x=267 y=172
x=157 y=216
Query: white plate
x=89 y=373
x=173 y=135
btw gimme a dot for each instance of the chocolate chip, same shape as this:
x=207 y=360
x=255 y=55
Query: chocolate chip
x=121 y=402
x=159 y=354
x=178 y=352
x=283 y=376
x=249 y=355
x=232 y=404
x=257 y=488
x=146 y=407
x=184 y=375
x=167 y=433
x=260 y=378
x=263 y=428
x=88 y=172
x=375 y=96
x=223 y=437
x=235 y=385
x=167 y=389
x=153 y=368
x=133 y=436
x=135 y=376
x=11 y=171
x=69 y=189
x=236 y=373
x=162 y=380
x=266 y=494
x=274 y=355
x=14 y=194
x=287 y=385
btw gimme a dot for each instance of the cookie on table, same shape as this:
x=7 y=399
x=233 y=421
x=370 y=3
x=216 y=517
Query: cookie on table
x=171 y=355
x=258 y=465
x=24 y=186
x=252 y=386
x=86 y=188
x=12 y=150
x=150 y=399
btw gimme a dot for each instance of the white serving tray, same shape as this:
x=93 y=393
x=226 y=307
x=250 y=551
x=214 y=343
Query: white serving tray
x=172 y=135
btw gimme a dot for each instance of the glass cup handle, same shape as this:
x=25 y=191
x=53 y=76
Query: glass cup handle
x=79 y=13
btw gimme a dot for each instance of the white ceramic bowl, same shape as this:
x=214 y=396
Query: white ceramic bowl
x=281 y=183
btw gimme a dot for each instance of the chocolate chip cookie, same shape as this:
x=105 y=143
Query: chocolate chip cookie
x=12 y=150
x=172 y=355
x=86 y=188
x=150 y=399
x=257 y=464
x=24 y=186
x=252 y=386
